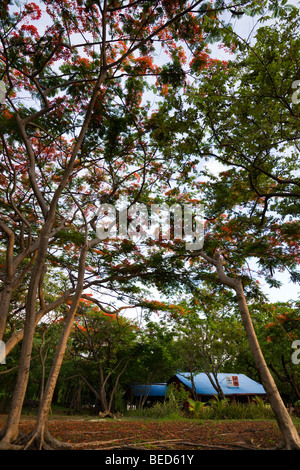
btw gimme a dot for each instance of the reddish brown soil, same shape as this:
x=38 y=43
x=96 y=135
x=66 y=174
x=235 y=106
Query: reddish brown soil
x=159 y=435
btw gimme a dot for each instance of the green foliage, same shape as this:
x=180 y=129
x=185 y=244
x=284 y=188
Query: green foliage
x=215 y=409
x=172 y=74
x=177 y=394
x=160 y=410
x=246 y=411
x=219 y=407
x=196 y=408
x=277 y=326
x=223 y=409
x=253 y=209
x=170 y=408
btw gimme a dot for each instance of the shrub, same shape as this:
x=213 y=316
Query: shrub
x=177 y=394
x=166 y=409
x=237 y=411
x=196 y=408
x=257 y=409
x=223 y=409
x=170 y=408
x=214 y=409
x=219 y=407
x=260 y=409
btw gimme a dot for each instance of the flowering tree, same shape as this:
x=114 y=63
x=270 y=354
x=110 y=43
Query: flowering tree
x=73 y=136
x=241 y=114
x=76 y=133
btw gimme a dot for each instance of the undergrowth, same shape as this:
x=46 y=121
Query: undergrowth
x=214 y=409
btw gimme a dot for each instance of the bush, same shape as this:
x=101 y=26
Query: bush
x=167 y=409
x=214 y=409
x=223 y=409
x=219 y=407
x=198 y=409
x=177 y=394
x=170 y=408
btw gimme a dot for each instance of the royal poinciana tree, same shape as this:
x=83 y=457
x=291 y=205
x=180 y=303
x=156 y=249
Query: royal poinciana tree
x=242 y=114
x=73 y=137
x=76 y=133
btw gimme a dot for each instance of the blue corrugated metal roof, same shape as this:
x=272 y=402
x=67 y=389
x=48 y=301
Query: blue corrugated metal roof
x=156 y=390
x=204 y=387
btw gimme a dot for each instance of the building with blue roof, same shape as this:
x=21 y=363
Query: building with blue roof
x=236 y=387
x=153 y=390
x=145 y=394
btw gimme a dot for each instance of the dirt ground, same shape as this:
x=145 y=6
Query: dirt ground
x=88 y=433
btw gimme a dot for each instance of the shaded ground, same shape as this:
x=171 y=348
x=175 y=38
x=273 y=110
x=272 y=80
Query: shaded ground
x=96 y=434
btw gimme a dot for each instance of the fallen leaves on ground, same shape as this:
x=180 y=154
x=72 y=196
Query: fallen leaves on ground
x=176 y=435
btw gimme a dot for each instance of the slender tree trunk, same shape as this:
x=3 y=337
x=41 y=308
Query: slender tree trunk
x=12 y=426
x=291 y=439
x=102 y=392
x=211 y=372
x=7 y=288
x=103 y=397
x=116 y=385
x=5 y=299
x=285 y=423
x=11 y=430
x=194 y=391
x=18 y=335
x=216 y=385
x=76 y=400
x=40 y=434
x=143 y=398
x=43 y=365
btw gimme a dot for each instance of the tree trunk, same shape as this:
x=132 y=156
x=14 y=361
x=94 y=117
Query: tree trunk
x=143 y=398
x=7 y=288
x=216 y=385
x=291 y=439
x=12 y=425
x=211 y=372
x=18 y=335
x=11 y=430
x=40 y=432
x=290 y=435
x=102 y=399
x=112 y=396
x=76 y=400
x=194 y=391
x=5 y=299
